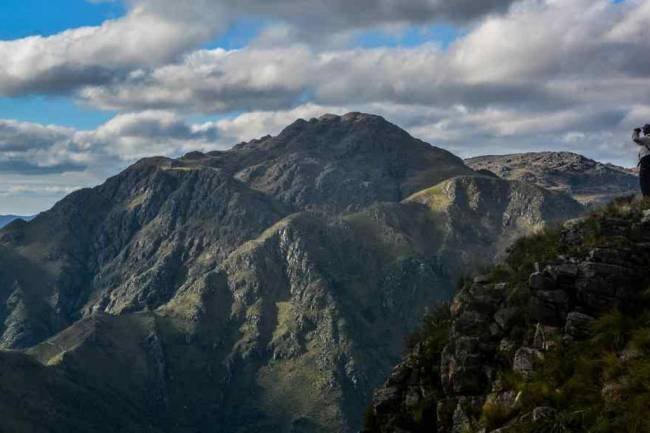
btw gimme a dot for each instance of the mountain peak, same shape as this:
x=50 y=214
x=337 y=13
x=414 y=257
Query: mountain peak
x=353 y=122
x=354 y=116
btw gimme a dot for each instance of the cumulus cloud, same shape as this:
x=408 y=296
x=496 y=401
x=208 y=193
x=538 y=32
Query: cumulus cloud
x=155 y=32
x=135 y=135
x=147 y=36
x=311 y=19
x=34 y=149
x=547 y=55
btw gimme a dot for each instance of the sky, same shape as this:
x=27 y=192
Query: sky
x=87 y=87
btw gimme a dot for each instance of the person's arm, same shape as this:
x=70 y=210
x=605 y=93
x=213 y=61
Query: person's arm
x=641 y=141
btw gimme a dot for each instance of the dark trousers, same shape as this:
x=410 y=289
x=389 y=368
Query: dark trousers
x=644 y=175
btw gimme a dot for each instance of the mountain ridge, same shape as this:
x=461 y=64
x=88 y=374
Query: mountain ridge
x=290 y=269
x=588 y=181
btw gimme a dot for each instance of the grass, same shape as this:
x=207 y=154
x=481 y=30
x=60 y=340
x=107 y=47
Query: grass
x=598 y=385
x=435 y=197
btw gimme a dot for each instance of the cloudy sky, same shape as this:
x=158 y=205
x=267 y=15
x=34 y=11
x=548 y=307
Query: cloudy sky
x=88 y=86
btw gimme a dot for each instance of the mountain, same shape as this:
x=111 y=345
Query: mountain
x=6 y=219
x=554 y=338
x=588 y=181
x=265 y=288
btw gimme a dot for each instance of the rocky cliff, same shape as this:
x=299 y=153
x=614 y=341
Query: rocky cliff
x=553 y=339
x=265 y=288
x=588 y=181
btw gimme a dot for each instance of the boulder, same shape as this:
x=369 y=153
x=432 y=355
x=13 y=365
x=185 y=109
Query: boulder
x=578 y=325
x=549 y=307
x=525 y=361
x=507 y=317
x=541 y=281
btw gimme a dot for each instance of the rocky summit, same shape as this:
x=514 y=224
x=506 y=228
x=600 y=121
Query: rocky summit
x=269 y=287
x=588 y=181
x=553 y=339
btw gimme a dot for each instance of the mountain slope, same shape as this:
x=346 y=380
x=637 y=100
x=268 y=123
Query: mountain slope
x=133 y=242
x=555 y=338
x=588 y=181
x=483 y=215
x=265 y=288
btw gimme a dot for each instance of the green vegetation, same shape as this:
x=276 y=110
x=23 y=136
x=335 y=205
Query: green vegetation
x=598 y=385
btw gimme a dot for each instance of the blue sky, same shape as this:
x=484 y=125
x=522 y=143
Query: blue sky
x=88 y=87
x=22 y=18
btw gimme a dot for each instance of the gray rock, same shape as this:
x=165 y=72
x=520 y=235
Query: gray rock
x=506 y=317
x=386 y=399
x=507 y=348
x=550 y=307
x=525 y=361
x=578 y=325
x=541 y=281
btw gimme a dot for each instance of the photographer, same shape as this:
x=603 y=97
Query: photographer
x=644 y=157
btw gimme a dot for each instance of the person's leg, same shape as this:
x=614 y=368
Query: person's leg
x=644 y=176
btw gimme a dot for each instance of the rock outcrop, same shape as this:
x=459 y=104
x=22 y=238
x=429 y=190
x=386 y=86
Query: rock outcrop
x=550 y=340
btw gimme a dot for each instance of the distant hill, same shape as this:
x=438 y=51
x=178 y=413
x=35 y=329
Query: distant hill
x=6 y=219
x=267 y=288
x=588 y=181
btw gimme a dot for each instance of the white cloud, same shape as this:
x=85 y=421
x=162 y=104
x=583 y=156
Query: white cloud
x=145 y=37
x=549 y=55
x=154 y=32
x=136 y=135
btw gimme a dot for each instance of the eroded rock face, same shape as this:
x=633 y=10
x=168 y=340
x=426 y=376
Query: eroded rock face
x=496 y=332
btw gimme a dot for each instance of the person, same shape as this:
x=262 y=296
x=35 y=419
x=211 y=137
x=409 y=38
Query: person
x=644 y=157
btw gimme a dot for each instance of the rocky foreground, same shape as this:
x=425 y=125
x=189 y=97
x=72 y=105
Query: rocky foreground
x=555 y=339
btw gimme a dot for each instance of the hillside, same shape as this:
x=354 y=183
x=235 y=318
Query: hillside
x=588 y=181
x=553 y=339
x=265 y=288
